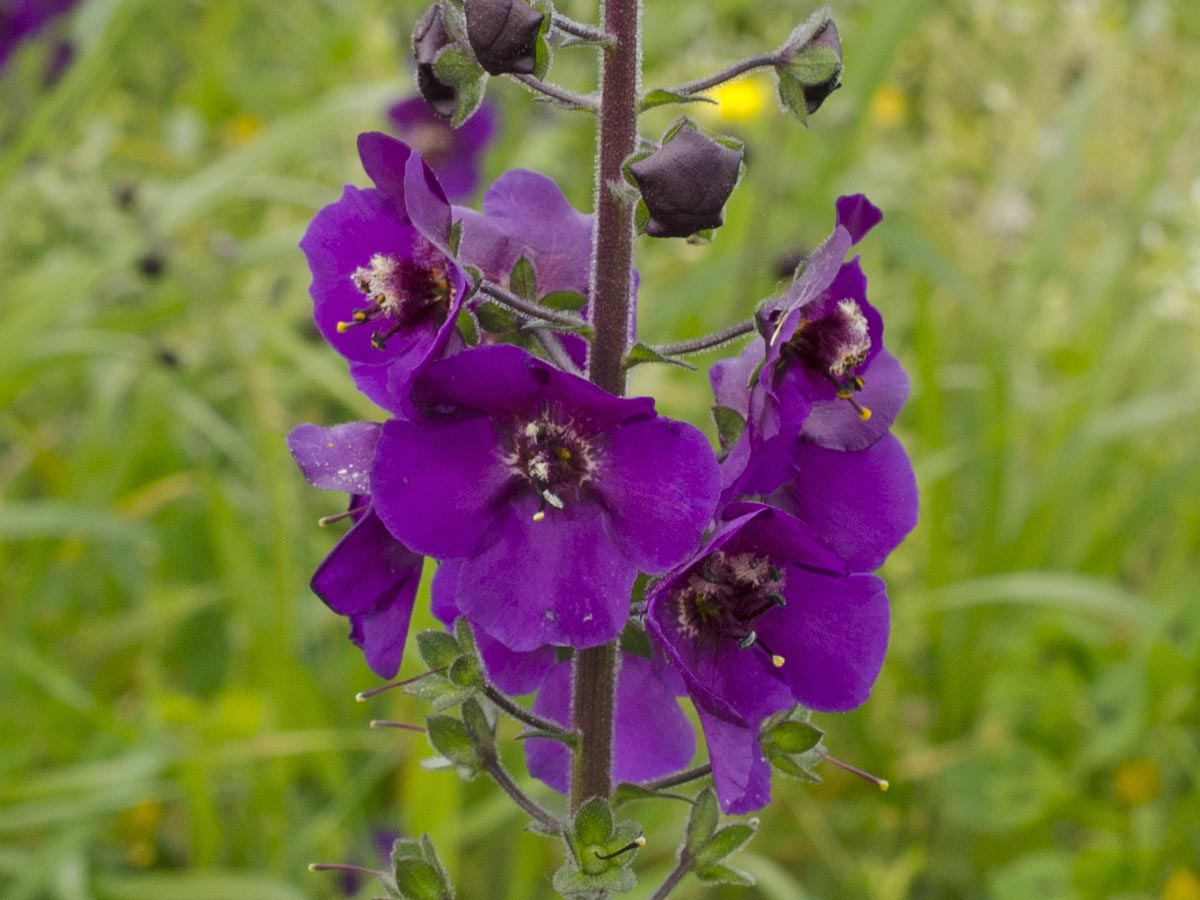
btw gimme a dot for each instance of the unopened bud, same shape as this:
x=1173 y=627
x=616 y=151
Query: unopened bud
x=504 y=35
x=817 y=65
x=686 y=182
x=429 y=37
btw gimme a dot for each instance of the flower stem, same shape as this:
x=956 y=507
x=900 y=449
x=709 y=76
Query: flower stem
x=610 y=286
x=521 y=714
x=738 y=68
x=675 y=876
x=492 y=765
x=679 y=778
x=554 y=92
x=525 y=307
x=708 y=342
x=580 y=30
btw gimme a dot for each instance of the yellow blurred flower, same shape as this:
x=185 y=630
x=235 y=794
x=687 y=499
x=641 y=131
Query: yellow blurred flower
x=241 y=129
x=1182 y=885
x=888 y=107
x=1137 y=781
x=743 y=100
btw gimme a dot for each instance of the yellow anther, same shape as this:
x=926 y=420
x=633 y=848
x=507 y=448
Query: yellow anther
x=884 y=784
x=845 y=395
x=343 y=327
x=858 y=382
x=864 y=413
x=539 y=515
x=360 y=316
x=777 y=660
x=564 y=454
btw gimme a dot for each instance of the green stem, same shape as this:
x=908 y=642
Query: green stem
x=610 y=288
x=676 y=876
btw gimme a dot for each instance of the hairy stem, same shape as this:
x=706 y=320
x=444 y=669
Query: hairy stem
x=492 y=766
x=738 y=68
x=708 y=342
x=610 y=286
x=679 y=778
x=554 y=92
x=521 y=714
x=580 y=30
x=526 y=307
x=675 y=876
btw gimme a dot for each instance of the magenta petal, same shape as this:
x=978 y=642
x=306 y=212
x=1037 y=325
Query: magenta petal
x=434 y=483
x=837 y=425
x=381 y=633
x=861 y=504
x=337 y=458
x=857 y=215
x=385 y=159
x=659 y=481
x=741 y=773
x=558 y=581
x=367 y=568
x=652 y=736
x=833 y=634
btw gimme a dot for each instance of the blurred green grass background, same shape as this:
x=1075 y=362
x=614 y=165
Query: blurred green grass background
x=176 y=709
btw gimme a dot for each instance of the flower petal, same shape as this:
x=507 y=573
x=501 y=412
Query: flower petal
x=857 y=215
x=741 y=774
x=555 y=581
x=434 y=483
x=337 y=458
x=659 y=481
x=837 y=425
x=366 y=569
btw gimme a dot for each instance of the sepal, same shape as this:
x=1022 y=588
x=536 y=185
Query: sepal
x=592 y=836
x=419 y=873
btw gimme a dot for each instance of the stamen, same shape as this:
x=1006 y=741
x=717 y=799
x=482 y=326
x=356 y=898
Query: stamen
x=337 y=517
x=864 y=412
x=363 y=696
x=346 y=867
x=632 y=845
x=882 y=783
x=385 y=723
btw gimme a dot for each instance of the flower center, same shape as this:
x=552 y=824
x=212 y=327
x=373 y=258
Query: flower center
x=724 y=596
x=403 y=292
x=833 y=347
x=553 y=458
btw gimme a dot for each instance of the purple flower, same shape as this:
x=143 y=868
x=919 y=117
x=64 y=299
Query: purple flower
x=385 y=289
x=861 y=505
x=651 y=735
x=526 y=214
x=821 y=372
x=453 y=153
x=22 y=19
x=368 y=576
x=765 y=617
x=552 y=493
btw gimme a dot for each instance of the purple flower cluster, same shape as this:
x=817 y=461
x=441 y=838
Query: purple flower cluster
x=544 y=500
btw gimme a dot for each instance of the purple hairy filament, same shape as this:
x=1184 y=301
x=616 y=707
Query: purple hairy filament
x=403 y=292
x=554 y=458
x=832 y=347
x=725 y=595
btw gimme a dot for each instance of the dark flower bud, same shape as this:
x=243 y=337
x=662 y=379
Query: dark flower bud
x=504 y=35
x=429 y=37
x=811 y=65
x=686 y=182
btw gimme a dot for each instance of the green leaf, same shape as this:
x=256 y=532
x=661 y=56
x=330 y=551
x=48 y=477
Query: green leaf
x=730 y=425
x=725 y=841
x=594 y=822
x=814 y=65
x=481 y=731
x=663 y=97
x=464 y=673
x=562 y=737
x=793 y=737
x=677 y=125
x=720 y=874
x=641 y=216
x=495 y=319
x=702 y=822
x=641 y=353
x=468 y=330
x=791 y=95
x=564 y=301
x=456 y=233
x=437 y=648
x=418 y=880
x=458 y=70
x=569 y=880
x=466 y=637
x=450 y=737
x=438 y=692
x=522 y=280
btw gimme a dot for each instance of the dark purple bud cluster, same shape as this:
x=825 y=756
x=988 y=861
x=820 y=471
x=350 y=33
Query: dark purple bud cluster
x=504 y=35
